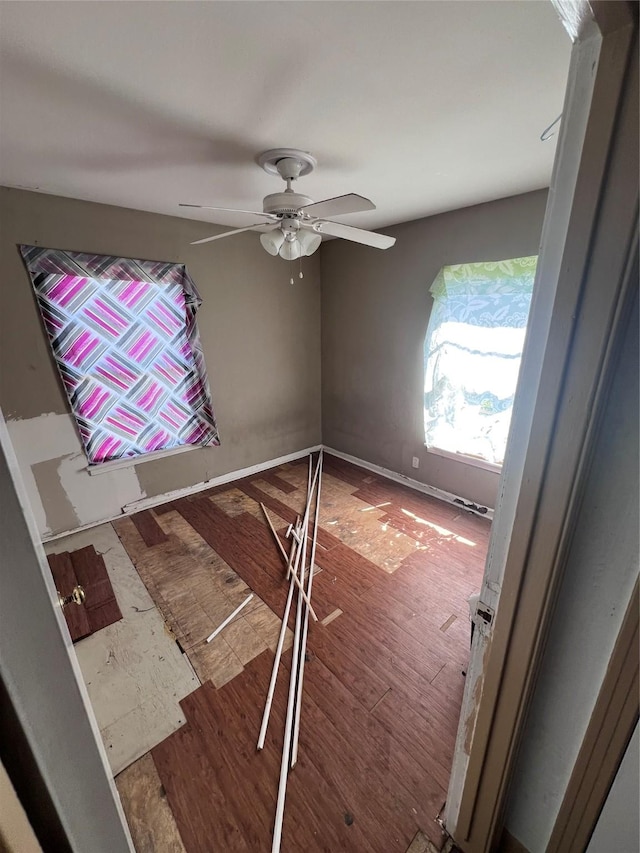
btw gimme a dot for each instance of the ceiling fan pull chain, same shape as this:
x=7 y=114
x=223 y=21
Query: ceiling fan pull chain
x=300 y=274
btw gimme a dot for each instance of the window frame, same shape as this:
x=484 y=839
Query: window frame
x=467 y=458
x=464 y=458
x=131 y=461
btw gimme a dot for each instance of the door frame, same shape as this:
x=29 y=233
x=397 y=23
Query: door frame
x=583 y=284
x=50 y=742
x=612 y=724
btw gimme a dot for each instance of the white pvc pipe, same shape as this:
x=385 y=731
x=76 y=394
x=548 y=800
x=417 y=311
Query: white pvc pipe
x=288 y=562
x=305 y=626
x=275 y=535
x=304 y=595
x=284 y=764
x=276 y=662
x=229 y=618
x=296 y=535
x=292 y=570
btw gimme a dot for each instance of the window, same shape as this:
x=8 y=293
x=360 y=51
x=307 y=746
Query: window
x=124 y=337
x=472 y=355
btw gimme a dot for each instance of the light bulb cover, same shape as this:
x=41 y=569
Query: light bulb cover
x=309 y=241
x=272 y=241
x=290 y=250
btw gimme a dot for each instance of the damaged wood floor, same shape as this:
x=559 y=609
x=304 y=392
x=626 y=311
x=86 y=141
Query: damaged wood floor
x=383 y=682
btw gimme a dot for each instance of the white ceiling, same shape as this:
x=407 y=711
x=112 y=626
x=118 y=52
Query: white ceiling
x=421 y=106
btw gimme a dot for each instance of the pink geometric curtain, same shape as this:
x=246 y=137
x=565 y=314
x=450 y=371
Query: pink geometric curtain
x=124 y=337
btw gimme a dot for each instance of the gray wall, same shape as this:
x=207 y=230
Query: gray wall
x=596 y=588
x=261 y=340
x=375 y=311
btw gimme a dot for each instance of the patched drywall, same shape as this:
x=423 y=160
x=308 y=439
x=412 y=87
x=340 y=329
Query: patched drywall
x=62 y=493
x=56 y=505
x=260 y=337
x=375 y=312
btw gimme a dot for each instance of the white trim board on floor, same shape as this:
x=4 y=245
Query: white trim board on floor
x=432 y=491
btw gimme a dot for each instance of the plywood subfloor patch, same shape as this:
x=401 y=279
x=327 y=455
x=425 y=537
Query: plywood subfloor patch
x=234 y=502
x=195 y=590
x=421 y=844
x=151 y=821
x=353 y=522
x=133 y=669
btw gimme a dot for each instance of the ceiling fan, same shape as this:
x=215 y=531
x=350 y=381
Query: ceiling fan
x=293 y=224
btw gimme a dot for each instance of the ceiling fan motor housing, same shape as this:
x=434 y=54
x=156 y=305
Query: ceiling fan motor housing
x=285 y=203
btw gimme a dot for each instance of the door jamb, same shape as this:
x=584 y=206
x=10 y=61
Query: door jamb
x=574 y=329
x=612 y=724
x=43 y=693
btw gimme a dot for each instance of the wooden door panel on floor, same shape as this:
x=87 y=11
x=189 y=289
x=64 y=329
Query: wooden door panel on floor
x=85 y=568
x=100 y=602
x=65 y=580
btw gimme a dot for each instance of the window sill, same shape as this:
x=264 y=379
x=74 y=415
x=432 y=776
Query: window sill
x=131 y=461
x=466 y=460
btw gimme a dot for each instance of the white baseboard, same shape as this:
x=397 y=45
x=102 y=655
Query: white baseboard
x=147 y=503
x=440 y=494
x=156 y=500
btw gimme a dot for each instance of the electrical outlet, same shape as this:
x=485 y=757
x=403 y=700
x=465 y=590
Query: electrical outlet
x=415 y=462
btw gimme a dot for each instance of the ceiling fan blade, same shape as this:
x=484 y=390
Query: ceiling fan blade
x=230 y=210
x=351 y=203
x=253 y=227
x=356 y=235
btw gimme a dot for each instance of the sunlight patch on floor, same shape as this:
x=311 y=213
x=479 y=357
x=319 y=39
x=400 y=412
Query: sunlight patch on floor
x=442 y=531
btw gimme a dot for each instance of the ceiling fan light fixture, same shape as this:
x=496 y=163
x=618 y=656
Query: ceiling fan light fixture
x=309 y=242
x=272 y=241
x=291 y=250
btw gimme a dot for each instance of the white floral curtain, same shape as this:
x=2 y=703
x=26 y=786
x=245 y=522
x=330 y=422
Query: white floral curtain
x=472 y=355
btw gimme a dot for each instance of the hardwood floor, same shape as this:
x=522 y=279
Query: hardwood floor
x=383 y=680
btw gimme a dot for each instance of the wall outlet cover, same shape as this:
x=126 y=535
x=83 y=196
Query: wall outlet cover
x=415 y=462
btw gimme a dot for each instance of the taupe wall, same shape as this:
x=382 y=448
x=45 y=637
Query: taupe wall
x=261 y=338
x=375 y=311
x=260 y=334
